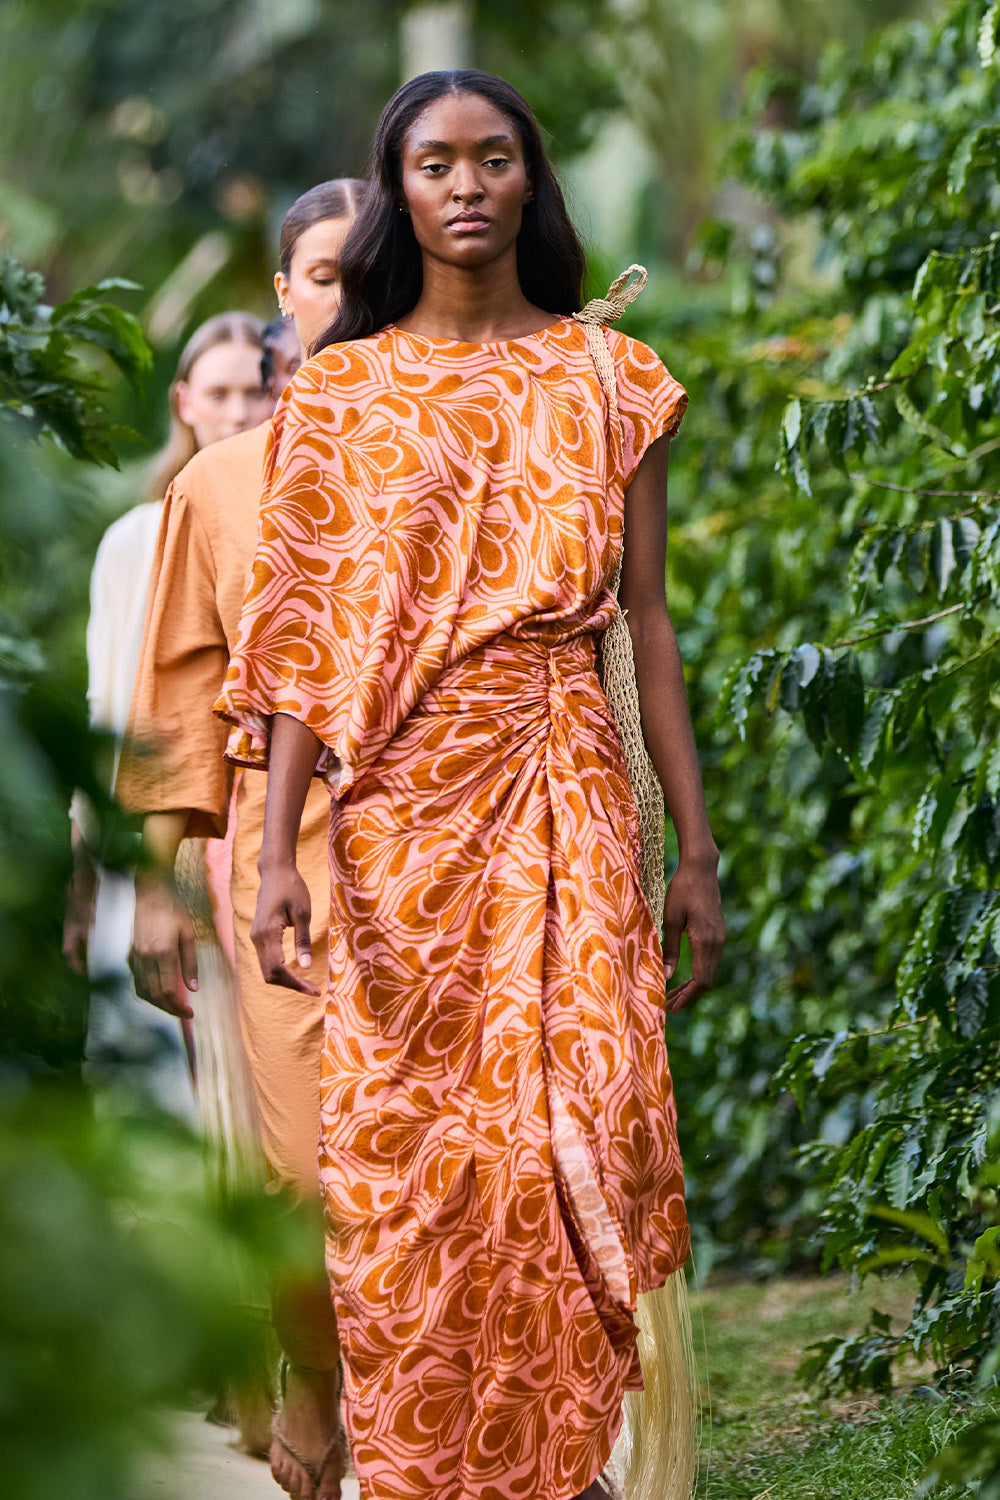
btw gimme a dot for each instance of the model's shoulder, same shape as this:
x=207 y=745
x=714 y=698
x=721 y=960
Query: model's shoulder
x=632 y=351
x=244 y=449
x=216 y=472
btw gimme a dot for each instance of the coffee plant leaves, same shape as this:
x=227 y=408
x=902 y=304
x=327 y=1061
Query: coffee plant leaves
x=837 y=535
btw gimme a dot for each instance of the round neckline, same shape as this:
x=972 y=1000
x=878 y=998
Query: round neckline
x=445 y=343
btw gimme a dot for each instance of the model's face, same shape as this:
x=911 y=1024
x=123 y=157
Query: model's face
x=310 y=294
x=223 y=393
x=464 y=180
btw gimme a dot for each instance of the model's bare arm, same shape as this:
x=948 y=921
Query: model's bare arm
x=283 y=899
x=693 y=904
x=162 y=957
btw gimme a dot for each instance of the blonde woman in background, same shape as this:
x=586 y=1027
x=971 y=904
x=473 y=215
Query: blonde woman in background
x=217 y=392
x=203 y=556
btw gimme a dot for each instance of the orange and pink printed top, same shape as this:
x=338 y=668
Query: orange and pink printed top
x=421 y=496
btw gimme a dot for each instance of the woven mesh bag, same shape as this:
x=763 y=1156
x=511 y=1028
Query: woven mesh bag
x=617 y=661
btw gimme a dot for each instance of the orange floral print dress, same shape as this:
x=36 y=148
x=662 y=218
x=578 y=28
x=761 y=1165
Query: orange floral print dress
x=498 y=1145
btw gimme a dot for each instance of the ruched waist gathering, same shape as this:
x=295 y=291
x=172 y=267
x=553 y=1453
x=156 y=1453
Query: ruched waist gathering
x=524 y=703
x=514 y=671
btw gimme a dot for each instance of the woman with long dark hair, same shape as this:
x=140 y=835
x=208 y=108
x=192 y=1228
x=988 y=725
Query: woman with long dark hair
x=442 y=518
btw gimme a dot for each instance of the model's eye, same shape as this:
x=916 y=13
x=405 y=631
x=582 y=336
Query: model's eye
x=434 y=168
x=498 y=161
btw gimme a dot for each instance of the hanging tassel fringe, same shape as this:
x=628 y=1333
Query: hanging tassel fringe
x=659 y=1437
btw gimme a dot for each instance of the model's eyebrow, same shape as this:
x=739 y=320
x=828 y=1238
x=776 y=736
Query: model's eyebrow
x=483 y=145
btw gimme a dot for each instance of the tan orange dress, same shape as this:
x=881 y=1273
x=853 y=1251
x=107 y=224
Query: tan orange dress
x=499 y=1153
x=202 y=562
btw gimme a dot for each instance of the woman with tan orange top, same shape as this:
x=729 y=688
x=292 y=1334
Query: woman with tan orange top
x=203 y=557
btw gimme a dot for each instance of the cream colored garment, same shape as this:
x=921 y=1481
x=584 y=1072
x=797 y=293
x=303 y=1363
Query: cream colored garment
x=119 y=586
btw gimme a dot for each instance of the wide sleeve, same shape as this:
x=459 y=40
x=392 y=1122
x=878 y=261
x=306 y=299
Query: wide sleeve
x=298 y=620
x=174 y=758
x=650 y=401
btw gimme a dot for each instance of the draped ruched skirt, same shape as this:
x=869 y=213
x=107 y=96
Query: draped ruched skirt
x=498 y=1145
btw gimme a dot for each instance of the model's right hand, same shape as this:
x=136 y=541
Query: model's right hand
x=162 y=958
x=283 y=901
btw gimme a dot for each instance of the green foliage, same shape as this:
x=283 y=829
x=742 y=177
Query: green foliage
x=833 y=578
x=768 y=1437
x=973 y=1458
x=121 y=1279
x=49 y=389
x=122 y=1276
x=45 y=385
x=134 y=135
x=883 y=655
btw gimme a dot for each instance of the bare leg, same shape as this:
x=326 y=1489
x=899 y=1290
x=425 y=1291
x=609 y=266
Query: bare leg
x=311 y=1465
x=309 y=1450
x=598 y=1490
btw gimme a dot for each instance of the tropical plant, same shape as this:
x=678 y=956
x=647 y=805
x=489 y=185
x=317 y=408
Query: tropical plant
x=52 y=397
x=892 y=440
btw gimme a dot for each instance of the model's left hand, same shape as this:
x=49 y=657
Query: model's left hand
x=693 y=905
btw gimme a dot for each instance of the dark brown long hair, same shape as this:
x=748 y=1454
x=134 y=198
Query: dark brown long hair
x=381 y=269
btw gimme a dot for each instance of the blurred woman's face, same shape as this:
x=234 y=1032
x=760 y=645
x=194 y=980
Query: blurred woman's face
x=311 y=292
x=223 y=393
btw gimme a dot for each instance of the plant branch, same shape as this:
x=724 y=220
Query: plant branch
x=871 y=635
x=883 y=385
x=909 y=489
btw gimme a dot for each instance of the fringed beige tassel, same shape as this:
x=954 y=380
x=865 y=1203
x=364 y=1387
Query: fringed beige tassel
x=658 y=1448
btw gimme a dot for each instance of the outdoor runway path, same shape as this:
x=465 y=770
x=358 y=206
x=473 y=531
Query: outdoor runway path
x=206 y=1467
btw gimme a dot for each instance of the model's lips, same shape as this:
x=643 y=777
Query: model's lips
x=468 y=221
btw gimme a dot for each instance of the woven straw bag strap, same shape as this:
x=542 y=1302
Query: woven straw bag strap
x=598 y=314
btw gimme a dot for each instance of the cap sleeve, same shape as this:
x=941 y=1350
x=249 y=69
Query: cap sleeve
x=650 y=400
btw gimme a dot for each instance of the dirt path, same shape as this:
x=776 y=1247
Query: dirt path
x=206 y=1467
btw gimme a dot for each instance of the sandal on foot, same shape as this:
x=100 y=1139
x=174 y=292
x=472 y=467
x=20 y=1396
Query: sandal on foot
x=337 y=1445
